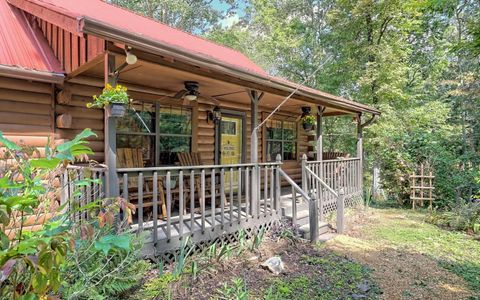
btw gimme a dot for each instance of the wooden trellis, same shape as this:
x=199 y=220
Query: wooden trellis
x=421 y=186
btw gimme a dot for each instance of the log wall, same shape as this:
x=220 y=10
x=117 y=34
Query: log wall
x=74 y=102
x=26 y=112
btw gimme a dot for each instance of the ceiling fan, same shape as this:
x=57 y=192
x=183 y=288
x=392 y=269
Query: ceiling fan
x=190 y=92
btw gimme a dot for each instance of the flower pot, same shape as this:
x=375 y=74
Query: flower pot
x=307 y=126
x=117 y=110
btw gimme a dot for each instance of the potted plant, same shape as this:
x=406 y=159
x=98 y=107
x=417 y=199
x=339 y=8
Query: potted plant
x=115 y=99
x=308 y=121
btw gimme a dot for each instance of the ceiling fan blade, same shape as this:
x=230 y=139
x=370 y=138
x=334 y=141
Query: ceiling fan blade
x=180 y=94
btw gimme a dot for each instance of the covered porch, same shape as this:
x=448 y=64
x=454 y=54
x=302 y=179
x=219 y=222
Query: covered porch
x=201 y=166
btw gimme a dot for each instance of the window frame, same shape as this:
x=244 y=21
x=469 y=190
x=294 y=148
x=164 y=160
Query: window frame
x=282 y=140
x=157 y=134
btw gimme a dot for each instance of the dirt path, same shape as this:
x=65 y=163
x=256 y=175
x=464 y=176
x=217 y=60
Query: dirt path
x=404 y=267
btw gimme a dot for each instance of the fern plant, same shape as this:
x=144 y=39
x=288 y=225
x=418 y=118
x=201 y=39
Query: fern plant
x=93 y=273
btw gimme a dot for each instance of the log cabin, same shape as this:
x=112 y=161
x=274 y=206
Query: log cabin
x=198 y=151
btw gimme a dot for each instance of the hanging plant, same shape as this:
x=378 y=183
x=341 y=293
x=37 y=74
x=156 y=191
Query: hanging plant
x=308 y=121
x=114 y=98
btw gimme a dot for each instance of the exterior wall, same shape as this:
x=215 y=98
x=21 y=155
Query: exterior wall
x=75 y=104
x=26 y=112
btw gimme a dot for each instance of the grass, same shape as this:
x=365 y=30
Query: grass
x=405 y=230
x=455 y=251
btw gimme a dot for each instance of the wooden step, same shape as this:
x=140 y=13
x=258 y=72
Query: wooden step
x=305 y=229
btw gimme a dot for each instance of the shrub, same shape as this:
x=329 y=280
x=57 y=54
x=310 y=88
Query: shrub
x=103 y=266
x=465 y=217
x=30 y=260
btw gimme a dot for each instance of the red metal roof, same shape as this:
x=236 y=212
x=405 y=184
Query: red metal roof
x=131 y=22
x=21 y=45
x=72 y=15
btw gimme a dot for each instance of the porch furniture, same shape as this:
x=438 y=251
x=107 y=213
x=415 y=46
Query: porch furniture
x=334 y=155
x=194 y=159
x=133 y=158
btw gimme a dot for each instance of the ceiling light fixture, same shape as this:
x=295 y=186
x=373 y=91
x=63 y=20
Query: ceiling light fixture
x=131 y=58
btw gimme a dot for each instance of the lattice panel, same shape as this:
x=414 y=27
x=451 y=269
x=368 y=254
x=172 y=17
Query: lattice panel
x=351 y=200
x=230 y=238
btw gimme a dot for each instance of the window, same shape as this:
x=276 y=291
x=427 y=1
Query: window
x=175 y=131
x=136 y=130
x=229 y=127
x=281 y=139
x=139 y=129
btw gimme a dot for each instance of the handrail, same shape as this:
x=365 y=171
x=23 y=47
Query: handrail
x=198 y=167
x=98 y=168
x=321 y=181
x=312 y=206
x=339 y=159
x=295 y=186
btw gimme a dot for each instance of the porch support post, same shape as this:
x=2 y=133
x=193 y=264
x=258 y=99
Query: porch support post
x=360 y=150
x=111 y=180
x=320 y=133
x=255 y=97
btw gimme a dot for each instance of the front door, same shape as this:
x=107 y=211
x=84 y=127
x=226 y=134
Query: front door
x=231 y=145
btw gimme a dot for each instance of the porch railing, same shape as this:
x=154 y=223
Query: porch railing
x=174 y=202
x=331 y=183
x=79 y=186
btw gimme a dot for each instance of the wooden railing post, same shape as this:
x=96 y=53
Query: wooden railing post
x=313 y=215
x=304 y=174
x=277 y=185
x=340 y=211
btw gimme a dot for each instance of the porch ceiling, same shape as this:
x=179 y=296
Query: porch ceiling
x=165 y=80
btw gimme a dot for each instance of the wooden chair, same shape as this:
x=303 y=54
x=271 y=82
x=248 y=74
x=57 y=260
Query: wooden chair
x=333 y=155
x=194 y=159
x=133 y=158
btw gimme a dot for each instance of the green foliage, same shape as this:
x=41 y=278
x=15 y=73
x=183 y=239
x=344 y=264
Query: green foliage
x=339 y=280
x=414 y=60
x=157 y=288
x=110 y=95
x=236 y=290
x=105 y=265
x=193 y=16
x=309 y=119
x=464 y=217
x=31 y=261
x=257 y=239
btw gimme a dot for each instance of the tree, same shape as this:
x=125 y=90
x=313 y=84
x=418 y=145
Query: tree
x=408 y=58
x=196 y=16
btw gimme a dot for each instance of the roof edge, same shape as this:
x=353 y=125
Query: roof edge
x=44 y=11
x=41 y=76
x=100 y=29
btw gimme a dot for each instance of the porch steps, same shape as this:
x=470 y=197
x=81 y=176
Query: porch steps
x=302 y=216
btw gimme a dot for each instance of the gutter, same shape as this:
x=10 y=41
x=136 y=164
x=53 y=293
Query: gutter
x=42 y=76
x=107 y=32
